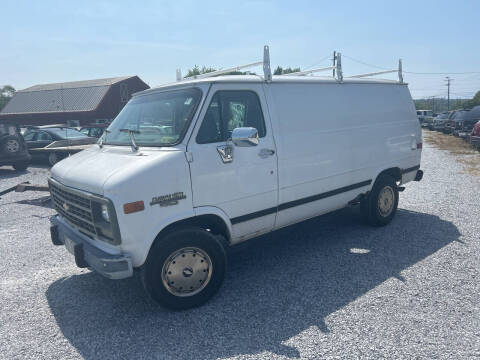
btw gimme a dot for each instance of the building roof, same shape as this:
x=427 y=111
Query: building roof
x=61 y=97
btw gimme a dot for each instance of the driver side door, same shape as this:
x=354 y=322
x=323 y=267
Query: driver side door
x=245 y=189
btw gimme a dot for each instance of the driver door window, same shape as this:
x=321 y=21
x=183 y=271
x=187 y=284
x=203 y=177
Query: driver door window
x=229 y=110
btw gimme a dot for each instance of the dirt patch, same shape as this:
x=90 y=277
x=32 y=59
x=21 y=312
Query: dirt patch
x=466 y=153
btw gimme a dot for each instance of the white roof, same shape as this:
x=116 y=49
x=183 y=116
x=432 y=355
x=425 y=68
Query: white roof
x=275 y=79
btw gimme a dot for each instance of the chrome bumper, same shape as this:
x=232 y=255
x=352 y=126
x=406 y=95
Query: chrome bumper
x=87 y=255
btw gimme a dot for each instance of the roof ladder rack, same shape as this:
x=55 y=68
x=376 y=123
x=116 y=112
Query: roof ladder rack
x=267 y=72
x=306 y=72
x=266 y=69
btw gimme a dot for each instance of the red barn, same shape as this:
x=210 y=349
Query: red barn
x=74 y=103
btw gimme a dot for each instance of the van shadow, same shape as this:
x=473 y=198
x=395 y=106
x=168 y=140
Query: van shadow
x=276 y=287
x=8 y=172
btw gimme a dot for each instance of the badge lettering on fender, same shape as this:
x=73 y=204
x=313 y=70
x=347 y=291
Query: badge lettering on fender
x=167 y=200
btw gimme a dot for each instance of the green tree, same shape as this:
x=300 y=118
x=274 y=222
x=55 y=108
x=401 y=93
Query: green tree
x=199 y=71
x=6 y=93
x=280 y=71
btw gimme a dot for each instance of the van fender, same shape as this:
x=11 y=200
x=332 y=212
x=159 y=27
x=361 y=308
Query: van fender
x=213 y=210
x=178 y=217
x=158 y=227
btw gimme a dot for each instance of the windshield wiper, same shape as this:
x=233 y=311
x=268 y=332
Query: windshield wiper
x=132 y=138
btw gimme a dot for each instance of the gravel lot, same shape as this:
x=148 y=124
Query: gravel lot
x=327 y=288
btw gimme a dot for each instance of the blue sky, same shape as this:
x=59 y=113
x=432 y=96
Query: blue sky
x=55 y=41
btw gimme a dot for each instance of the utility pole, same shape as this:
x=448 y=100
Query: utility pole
x=334 y=61
x=447 y=79
x=433 y=103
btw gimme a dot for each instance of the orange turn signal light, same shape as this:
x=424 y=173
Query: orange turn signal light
x=132 y=207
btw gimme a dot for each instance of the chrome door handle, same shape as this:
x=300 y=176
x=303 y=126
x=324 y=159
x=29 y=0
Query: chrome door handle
x=226 y=153
x=266 y=153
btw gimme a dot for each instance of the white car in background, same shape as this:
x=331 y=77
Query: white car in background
x=425 y=117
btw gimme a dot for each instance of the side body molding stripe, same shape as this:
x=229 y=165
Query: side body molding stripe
x=298 y=202
x=404 y=171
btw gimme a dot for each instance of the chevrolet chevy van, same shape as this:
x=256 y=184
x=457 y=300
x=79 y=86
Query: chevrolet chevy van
x=190 y=168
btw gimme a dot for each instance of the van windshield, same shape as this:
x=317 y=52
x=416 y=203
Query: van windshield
x=158 y=119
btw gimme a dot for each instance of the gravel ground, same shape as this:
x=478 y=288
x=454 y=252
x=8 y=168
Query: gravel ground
x=330 y=287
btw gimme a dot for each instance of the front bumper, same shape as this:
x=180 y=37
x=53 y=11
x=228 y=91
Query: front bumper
x=86 y=255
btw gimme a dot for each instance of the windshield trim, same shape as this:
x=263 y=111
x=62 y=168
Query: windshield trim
x=184 y=130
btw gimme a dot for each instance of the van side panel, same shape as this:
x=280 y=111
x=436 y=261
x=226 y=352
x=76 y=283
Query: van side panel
x=334 y=139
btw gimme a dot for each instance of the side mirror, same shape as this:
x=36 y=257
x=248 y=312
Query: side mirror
x=245 y=136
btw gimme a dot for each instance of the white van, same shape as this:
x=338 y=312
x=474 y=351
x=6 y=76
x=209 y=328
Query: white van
x=190 y=168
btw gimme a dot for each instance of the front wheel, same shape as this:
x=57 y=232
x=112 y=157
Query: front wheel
x=380 y=205
x=184 y=269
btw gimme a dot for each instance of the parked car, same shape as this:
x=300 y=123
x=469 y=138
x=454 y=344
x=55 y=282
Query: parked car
x=257 y=156
x=13 y=149
x=440 y=120
x=455 y=122
x=425 y=117
x=94 y=130
x=43 y=136
x=471 y=118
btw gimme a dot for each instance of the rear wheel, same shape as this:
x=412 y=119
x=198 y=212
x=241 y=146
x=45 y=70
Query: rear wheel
x=380 y=206
x=184 y=268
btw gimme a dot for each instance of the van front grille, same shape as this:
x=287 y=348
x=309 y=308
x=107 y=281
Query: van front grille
x=74 y=208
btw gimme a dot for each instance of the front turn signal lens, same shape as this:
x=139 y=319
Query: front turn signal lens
x=132 y=207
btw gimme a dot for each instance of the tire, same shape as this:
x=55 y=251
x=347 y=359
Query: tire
x=11 y=145
x=53 y=158
x=21 y=166
x=380 y=206
x=175 y=263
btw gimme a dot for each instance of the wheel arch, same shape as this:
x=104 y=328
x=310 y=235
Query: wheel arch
x=208 y=220
x=394 y=172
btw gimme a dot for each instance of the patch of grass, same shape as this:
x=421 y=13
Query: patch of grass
x=466 y=153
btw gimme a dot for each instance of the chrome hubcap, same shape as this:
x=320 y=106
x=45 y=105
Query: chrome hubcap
x=386 y=199
x=12 y=146
x=187 y=271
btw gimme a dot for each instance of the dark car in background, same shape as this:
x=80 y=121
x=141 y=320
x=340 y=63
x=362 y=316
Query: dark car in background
x=455 y=123
x=471 y=118
x=94 y=130
x=13 y=149
x=45 y=136
x=440 y=121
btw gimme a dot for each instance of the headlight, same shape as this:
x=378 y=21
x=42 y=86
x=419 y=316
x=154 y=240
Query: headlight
x=105 y=214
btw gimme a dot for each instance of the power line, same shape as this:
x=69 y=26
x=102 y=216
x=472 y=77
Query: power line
x=318 y=62
x=412 y=72
x=364 y=63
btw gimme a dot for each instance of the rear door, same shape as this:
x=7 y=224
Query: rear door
x=246 y=188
